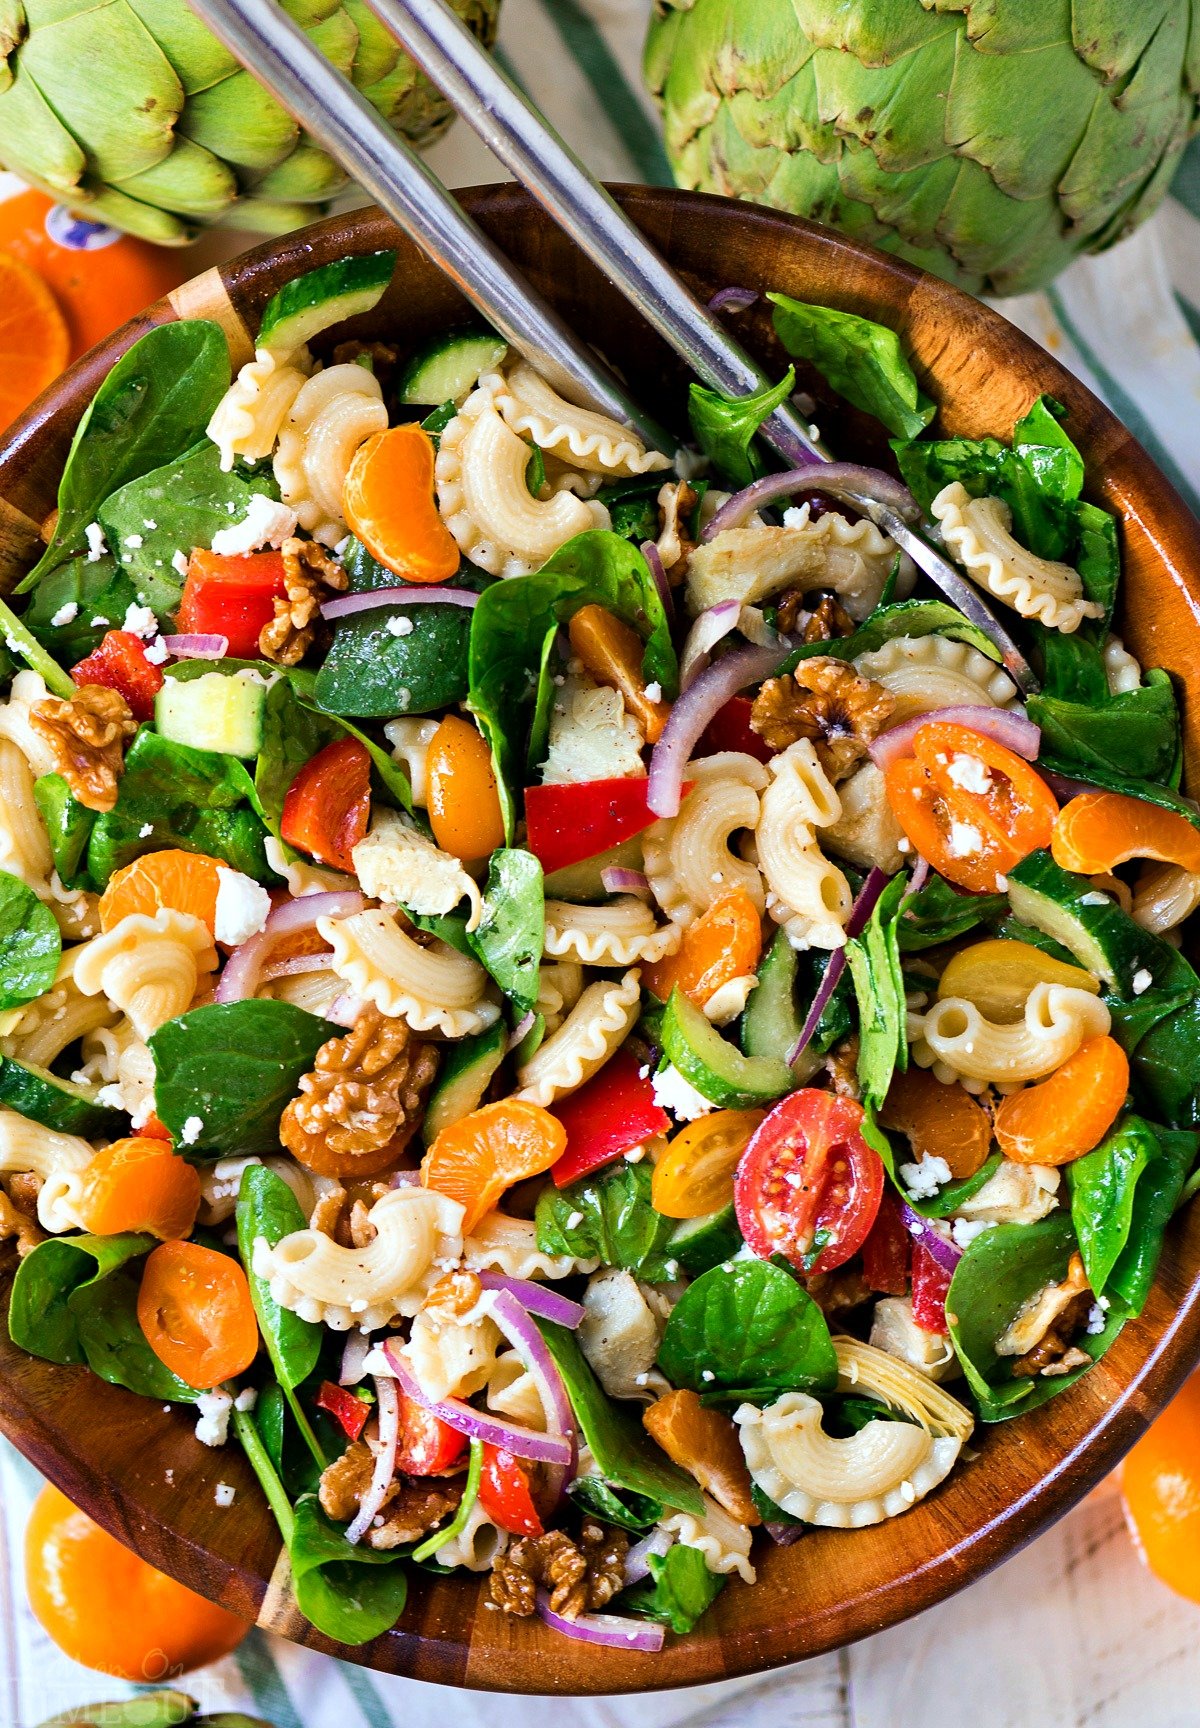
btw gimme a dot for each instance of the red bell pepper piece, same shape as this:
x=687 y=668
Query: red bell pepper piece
x=570 y=822
x=885 y=1253
x=930 y=1284
x=120 y=663
x=505 y=1493
x=729 y=729
x=350 y=1413
x=231 y=596
x=427 y=1445
x=327 y=806
x=611 y=1114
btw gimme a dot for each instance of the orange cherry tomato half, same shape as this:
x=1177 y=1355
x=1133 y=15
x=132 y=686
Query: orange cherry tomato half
x=970 y=806
x=139 y=1184
x=1069 y=1112
x=808 y=1186
x=1099 y=830
x=111 y=1611
x=724 y=943
x=505 y=1493
x=694 y=1176
x=195 y=1312
x=328 y=804
x=464 y=805
x=1160 y=1480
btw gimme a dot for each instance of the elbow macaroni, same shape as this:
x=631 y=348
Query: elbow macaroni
x=688 y=858
x=249 y=416
x=58 y=1159
x=806 y=892
x=578 y=437
x=928 y=672
x=499 y=1243
x=958 y=1043
x=752 y=564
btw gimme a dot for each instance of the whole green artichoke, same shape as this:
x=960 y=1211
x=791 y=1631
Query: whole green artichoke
x=988 y=140
x=132 y=113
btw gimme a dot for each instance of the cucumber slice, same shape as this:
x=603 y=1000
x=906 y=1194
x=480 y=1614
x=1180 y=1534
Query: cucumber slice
x=581 y=882
x=699 y=1244
x=213 y=712
x=464 y=1078
x=1092 y=928
x=42 y=1097
x=771 y=1022
x=447 y=368
x=712 y=1065
x=324 y=297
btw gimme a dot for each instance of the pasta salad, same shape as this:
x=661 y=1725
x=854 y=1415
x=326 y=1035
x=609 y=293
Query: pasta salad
x=555 y=994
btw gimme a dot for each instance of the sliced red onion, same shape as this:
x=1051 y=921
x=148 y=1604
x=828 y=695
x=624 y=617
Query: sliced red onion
x=653 y=557
x=617 y=1631
x=845 y=481
x=522 y=1333
x=939 y=1247
x=1007 y=726
x=616 y=880
x=195 y=647
x=637 y=1561
x=1063 y=786
x=732 y=300
x=298 y=963
x=877 y=880
x=783 y=1535
x=353 y=1357
x=703 y=637
x=370 y=598
x=536 y=1298
x=385 y=1460
x=519 y=1031
x=345 y=1009
x=553 y=1449
x=692 y=713
x=920 y=875
x=243 y=970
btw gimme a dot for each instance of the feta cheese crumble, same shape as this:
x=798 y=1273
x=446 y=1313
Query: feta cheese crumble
x=1142 y=980
x=224 y=1494
x=243 y=906
x=96 y=544
x=192 y=1130
x=399 y=626
x=925 y=1177
x=964 y=840
x=179 y=563
x=134 y=541
x=969 y=772
x=212 y=1410
x=674 y=1093
x=66 y=614
x=139 y=621
x=266 y=523
x=157 y=652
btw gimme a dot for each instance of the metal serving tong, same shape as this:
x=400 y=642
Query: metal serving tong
x=281 y=57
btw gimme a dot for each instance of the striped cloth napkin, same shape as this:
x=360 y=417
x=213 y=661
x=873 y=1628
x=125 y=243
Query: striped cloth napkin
x=1127 y=323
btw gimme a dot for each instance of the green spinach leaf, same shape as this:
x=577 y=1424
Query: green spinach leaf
x=114 y=1344
x=267 y=1208
x=1103 y=1185
x=724 y=426
x=874 y=962
x=861 y=360
x=892 y=619
x=351 y=1594
x=747 y=1328
x=30 y=943
x=1135 y=734
x=232 y=1067
x=396 y=660
x=101 y=594
x=632 y=506
x=627 y=1510
x=678 y=1592
x=511 y=933
x=1155 y=1200
x=40 y=1319
x=939 y=913
x=614 y=1222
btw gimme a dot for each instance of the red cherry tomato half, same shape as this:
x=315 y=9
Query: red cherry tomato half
x=729 y=729
x=505 y=1493
x=930 y=1283
x=350 y=1413
x=427 y=1445
x=328 y=804
x=808 y=1186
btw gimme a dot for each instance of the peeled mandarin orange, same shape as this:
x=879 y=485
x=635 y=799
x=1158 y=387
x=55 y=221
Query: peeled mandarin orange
x=181 y=881
x=476 y=1158
x=139 y=1184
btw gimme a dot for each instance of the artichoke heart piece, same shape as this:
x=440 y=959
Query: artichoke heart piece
x=869 y=1372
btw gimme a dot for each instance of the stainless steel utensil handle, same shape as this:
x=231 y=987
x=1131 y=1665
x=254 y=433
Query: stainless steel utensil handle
x=535 y=154
x=278 y=53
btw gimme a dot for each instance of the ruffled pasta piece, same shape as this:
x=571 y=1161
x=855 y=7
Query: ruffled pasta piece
x=593 y=1031
x=418 y=1234
x=24 y=848
x=248 y=418
x=978 y=535
x=806 y=892
x=485 y=503
x=39 y=1032
x=591 y=737
x=955 y=1040
x=433 y=989
x=512 y=1391
x=1165 y=895
x=121 y=1063
x=688 y=858
x=1120 y=668
x=28 y=688
x=723 y=1541
x=499 y=1243
x=58 y=1159
x=614 y=935
x=150 y=968
x=334 y=412
x=301 y=876
x=750 y=564
x=577 y=436
x=316 y=991
x=867 y=832
x=559 y=988
x=477 y=1546
x=401 y=867
x=452 y=1356
x=410 y=739
x=620 y=1334
x=845 y=1484
x=928 y=672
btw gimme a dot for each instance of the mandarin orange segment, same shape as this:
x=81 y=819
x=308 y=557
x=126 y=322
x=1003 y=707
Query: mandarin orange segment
x=475 y=1159
x=1160 y=1481
x=34 y=340
x=388 y=502
x=139 y=1184
x=179 y=881
x=724 y=943
x=196 y=1313
x=1099 y=830
x=941 y=1121
x=612 y=652
x=705 y=1443
x=464 y=803
x=695 y=1174
x=1070 y=1112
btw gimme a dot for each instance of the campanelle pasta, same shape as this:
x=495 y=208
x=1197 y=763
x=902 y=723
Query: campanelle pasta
x=594 y=1029
x=689 y=858
x=978 y=533
x=428 y=987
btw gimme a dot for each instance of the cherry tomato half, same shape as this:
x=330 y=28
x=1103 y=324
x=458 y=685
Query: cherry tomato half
x=505 y=1493
x=428 y=1446
x=195 y=1312
x=808 y=1185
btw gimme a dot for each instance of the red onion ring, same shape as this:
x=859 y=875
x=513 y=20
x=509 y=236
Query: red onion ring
x=196 y=647
x=732 y=300
x=344 y=1010
x=877 y=880
x=1007 y=726
x=692 y=713
x=653 y=557
x=243 y=969
x=553 y=1449
x=616 y=880
x=354 y=1356
x=844 y=481
x=522 y=1333
x=385 y=1460
x=536 y=1298
x=370 y=598
x=946 y=1253
x=523 y=1026
x=783 y=1535
x=615 y=1630
x=298 y=963
x=703 y=637
x=920 y=875
x=637 y=1561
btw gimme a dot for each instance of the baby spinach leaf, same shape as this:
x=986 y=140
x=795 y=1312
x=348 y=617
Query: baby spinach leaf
x=1072 y=667
x=861 y=360
x=509 y=629
x=233 y=1066
x=267 y=1208
x=678 y=1592
x=626 y=1457
x=100 y=592
x=747 y=1326
x=889 y=620
x=1135 y=734
x=512 y=931
x=939 y=913
x=724 y=426
x=874 y=961
x=114 y=1344
x=1154 y=1202
x=632 y=506
x=174 y=509
x=351 y=1594
x=374 y=671
x=1103 y=1185
x=627 y=1510
x=30 y=943
x=292 y=733
x=40 y=1318
x=615 y=1222
x=152 y=407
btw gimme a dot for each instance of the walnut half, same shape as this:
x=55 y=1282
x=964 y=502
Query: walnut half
x=827 y=701
x=579 y=1577
x=88 y=736
x=309 y=576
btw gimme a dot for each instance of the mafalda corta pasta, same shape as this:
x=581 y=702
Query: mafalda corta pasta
x=568 y=1003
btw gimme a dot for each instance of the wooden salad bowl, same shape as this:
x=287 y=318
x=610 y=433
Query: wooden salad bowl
x=138 y=1469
